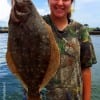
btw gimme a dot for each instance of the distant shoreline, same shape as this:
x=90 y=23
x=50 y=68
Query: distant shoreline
x=94 y=33
x=5 y=30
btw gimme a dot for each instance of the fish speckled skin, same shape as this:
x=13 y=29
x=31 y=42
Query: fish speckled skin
x=32 y=53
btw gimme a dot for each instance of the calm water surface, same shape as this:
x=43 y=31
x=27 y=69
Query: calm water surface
x=10 y=87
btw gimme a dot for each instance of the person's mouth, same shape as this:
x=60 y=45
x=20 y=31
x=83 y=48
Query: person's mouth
x=59 y=9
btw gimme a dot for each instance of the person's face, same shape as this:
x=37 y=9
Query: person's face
x=59 y=8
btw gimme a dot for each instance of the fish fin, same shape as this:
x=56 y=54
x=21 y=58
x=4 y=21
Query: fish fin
x=54 y=61
x=10 y=63
x=13 y=69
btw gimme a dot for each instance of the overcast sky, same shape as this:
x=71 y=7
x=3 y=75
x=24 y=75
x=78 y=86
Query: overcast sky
x=85 y=11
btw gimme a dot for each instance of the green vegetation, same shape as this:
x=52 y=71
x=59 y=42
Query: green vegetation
x=3 y=29
x=94 y=31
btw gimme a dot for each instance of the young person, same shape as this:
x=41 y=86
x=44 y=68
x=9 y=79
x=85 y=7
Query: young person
x=73 y=79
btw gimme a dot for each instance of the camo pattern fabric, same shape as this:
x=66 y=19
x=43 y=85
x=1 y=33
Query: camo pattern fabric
x=76 y=52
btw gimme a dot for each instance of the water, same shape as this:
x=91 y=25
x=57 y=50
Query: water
x=96 y=70
x=10 y=87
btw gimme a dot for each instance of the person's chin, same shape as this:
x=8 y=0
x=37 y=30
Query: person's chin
x=59 y=15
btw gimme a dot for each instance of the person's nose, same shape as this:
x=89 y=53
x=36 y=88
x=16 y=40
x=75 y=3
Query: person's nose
x=60 y=2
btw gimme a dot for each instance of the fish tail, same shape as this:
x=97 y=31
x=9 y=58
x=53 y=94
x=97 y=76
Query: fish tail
x=33 y=95
x=34 y=98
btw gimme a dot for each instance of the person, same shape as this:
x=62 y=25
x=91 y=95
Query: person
x=73 y=78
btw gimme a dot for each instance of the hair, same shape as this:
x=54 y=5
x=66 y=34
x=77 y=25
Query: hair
x=72 y=0
x=69 y=14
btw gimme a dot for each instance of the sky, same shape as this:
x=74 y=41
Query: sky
x=85 y=11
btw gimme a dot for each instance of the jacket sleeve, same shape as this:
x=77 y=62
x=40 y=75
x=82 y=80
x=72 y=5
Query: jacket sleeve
x=87 y=54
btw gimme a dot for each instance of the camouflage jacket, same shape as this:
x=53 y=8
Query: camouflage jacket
x=76 y=51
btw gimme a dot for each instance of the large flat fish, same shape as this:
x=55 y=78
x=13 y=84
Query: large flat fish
x=32 y=53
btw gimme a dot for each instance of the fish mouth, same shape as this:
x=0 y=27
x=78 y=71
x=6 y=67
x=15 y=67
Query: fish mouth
x=20 y=13
x=22 y=7
x=22 y=10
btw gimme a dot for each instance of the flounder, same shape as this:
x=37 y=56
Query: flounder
x=32 y=53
